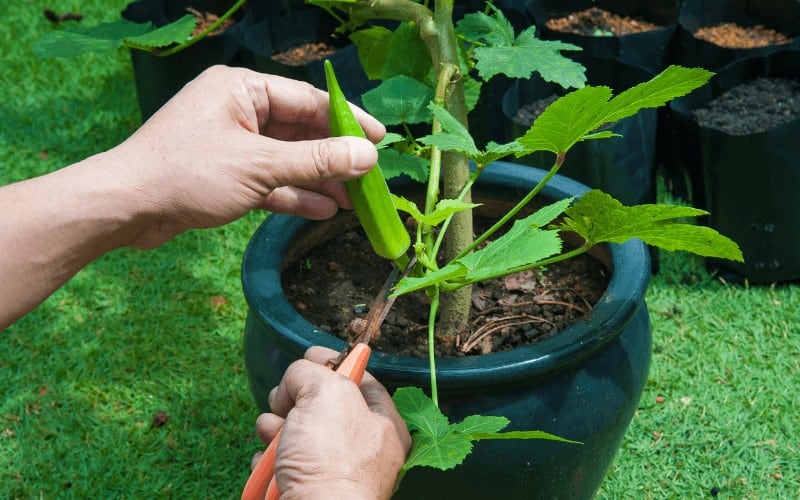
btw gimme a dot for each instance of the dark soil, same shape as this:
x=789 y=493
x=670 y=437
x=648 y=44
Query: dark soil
x=753 y=107
x=598 y=22
x=733 y=36
x=304 y=54
x=335 y=282
x=530 y=111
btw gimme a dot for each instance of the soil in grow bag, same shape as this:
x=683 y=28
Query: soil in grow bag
x=637 y=33
x=753 y=107
x=598 y=22
x=733 y=36
x=304 y=53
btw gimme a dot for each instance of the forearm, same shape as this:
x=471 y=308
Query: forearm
x=54 y=225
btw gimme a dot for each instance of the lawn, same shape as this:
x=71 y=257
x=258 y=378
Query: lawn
x=85 y=376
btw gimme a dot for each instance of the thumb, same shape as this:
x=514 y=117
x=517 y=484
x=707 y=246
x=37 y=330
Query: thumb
x=334 y=158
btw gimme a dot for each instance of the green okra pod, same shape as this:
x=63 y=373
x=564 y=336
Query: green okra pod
x=370 y=195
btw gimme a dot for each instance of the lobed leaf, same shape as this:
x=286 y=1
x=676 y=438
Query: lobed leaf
x=599 y=218
x=394 y=164
x=398 y=100
x=493 y=30
x=419 y=412
x=574 y=116
x=175 y=32
x=441 y=452
x=480 y=424
x=521 y=435
x=439 y=444
x=567 y=120
x=456 y=137
x=528 y=54
x=80 y=40
x=372 y=45
x=408 y=54
x=442 y=210
x=673 y=82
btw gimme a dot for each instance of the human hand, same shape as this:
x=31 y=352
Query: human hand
x=234 y=140
x=338 y=440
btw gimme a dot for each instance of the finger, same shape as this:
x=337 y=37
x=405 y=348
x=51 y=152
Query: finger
x=302 y=379
x=309 y=162
x=320 y=354
x=291 y=103
x=267 y=426
x=380 y=402
x=304 y=203
x=256 y=458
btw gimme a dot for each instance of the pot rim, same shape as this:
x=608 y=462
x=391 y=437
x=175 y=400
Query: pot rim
x=630 y=274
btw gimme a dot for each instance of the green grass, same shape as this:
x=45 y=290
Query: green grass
x=140 y=332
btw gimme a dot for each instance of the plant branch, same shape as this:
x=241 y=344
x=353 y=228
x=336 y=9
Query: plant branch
x=519 y=206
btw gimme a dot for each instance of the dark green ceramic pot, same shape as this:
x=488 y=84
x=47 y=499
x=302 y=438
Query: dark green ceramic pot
x=583 y=384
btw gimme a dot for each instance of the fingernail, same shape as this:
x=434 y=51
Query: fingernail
x=363 y=155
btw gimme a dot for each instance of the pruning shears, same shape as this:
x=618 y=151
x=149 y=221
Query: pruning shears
x=351 y=362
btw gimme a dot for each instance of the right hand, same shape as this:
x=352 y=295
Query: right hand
x=339 y=440
x=234 y=140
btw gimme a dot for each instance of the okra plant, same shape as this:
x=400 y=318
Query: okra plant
x=431 y=71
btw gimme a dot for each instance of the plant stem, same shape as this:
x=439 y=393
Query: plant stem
x=431 y=339
x=519 y=206
x=193 y=40
x=442 y=44
x=443 y=83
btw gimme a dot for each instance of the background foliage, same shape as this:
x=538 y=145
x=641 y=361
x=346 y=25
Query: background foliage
x=137 y=333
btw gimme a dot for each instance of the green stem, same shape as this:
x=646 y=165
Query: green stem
x=519 y=206
x=434 y=295
x=449 y=287
x=443 y=83
x=193 y=40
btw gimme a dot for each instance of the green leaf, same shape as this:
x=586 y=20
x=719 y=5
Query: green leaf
x=80 y=40
x=528 y=54
x=399 y=100
x=673 y=82
x=442 y=210
x=439 y=444
x=175 y=32
x=408 y=54
x=574 y=116
x=496 y=151
x=567 y=121
x=388 y=139
x=522 y=246
x=420 y=412
x=472 y=91
x=480 y=436
x=480 y=424
x=372 y=45
x=493 y=30
x=454 y=273
x=441 y=452
x=456 y=136
x=599 y=218
x=394 y=164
